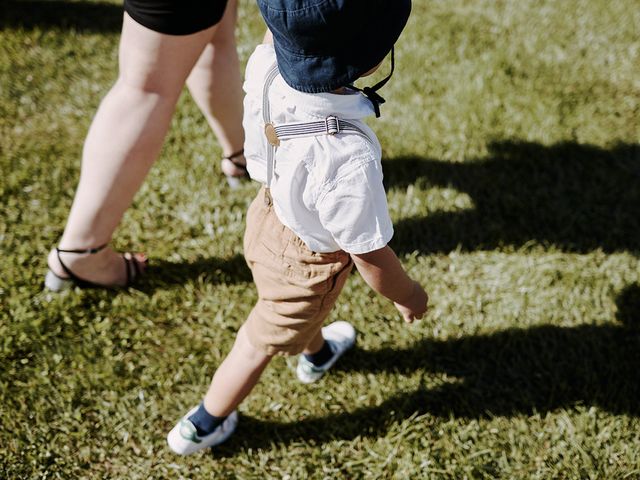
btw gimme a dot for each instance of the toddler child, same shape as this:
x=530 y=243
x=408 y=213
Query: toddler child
x=322 y=207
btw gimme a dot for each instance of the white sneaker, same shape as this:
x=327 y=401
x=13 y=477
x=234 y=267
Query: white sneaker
x=340 y=336
x=184 y=439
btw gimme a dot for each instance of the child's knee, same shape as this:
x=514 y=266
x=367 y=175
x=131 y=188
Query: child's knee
x=248 y=350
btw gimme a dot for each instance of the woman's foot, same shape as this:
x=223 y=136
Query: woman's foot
x=234 y=167
x=102 y=268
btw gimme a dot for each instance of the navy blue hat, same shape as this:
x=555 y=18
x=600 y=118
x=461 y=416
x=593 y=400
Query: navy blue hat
x=322 y=45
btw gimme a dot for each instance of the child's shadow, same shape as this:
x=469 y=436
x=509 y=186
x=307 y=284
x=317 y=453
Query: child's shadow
x=509 y=373
x=576 y=197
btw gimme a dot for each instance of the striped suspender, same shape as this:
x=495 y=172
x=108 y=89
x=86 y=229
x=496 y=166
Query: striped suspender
x=331 y=125
x=268 y=126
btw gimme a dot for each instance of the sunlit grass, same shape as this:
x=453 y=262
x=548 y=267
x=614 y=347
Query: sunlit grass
x=512 y=163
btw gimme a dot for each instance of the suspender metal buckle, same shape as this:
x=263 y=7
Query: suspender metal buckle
x=332 y=125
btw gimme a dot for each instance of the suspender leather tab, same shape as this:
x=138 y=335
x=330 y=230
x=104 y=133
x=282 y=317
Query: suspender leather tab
x=271 y=134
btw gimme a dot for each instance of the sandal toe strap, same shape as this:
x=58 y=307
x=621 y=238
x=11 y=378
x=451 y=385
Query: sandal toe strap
x=132 y=268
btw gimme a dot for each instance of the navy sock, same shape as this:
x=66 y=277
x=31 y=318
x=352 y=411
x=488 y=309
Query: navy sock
x=322 y=356
x=204 y=422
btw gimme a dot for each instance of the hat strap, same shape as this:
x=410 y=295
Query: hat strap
x=372 y=92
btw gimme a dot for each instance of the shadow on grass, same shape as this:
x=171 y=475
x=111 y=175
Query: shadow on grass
x=576 y=197
x=514 y=372
x=162 y=273
x=79 y=16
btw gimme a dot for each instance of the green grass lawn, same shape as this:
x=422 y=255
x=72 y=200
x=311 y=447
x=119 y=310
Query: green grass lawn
x=511 y=138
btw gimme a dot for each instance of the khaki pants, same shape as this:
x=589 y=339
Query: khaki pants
x=297 y=288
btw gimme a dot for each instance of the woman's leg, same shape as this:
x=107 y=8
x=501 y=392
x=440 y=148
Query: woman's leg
x=124 y=140
x=215 y=84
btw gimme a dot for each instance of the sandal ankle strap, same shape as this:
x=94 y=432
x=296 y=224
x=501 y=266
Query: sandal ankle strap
x=85 y=251
x=234 y=155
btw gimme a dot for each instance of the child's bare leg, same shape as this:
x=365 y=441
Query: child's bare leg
x=314 y=346
x=215 y=419
x=236 y=376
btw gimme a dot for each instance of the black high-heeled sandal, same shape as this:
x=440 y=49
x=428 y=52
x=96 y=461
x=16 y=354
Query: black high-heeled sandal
x=234 y=180
x=56 y=283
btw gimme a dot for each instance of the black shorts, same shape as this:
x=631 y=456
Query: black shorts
x=176 y=17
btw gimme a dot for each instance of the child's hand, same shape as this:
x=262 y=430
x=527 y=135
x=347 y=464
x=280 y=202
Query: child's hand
x=415 y=306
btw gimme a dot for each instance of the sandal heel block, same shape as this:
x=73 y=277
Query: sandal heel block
x=57 y=284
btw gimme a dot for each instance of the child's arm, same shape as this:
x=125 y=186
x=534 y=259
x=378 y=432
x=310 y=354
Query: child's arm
x=382 y=270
